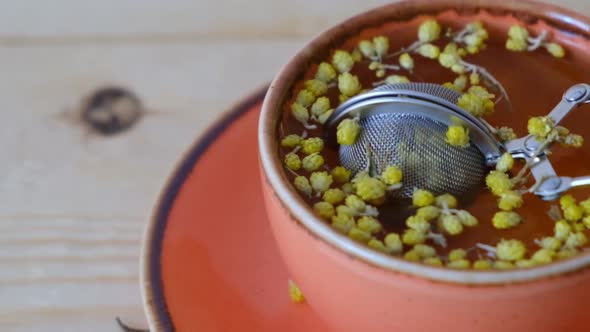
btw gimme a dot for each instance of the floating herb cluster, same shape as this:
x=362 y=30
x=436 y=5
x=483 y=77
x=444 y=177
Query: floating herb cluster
x=351 y=203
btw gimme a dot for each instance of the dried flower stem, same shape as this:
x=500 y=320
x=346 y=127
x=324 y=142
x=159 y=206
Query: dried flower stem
x=538 y=41
x=490 y=251
x=490 y=80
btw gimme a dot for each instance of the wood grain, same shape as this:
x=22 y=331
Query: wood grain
x=74 y=204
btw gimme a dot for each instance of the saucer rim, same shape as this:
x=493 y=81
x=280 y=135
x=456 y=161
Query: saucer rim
x=151 y=284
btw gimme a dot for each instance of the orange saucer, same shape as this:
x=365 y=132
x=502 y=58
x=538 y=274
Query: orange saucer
x=209 y=261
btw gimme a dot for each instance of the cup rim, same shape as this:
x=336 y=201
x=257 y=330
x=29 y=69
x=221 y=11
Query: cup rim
x=299 y=210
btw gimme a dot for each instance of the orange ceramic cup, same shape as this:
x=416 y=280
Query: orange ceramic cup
x=354 y=288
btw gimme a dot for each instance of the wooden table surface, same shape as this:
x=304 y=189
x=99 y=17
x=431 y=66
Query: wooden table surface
x=73 y=204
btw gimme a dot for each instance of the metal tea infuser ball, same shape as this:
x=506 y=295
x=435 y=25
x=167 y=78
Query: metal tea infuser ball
x=405 y=125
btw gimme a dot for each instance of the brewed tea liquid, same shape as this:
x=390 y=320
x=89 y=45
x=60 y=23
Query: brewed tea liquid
x=535 y=82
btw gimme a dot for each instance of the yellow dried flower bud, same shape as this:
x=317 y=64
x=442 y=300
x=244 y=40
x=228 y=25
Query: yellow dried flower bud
x=460 y=82
x=393 y=243
x=550 y=243
x=295 y=293
x=305 y=98
x=425 y=251
x=505 y=220
x=326 y=72
x=381 y=45
x=320 y=106
x=474 y=78
x=429 y=51
x=412 y=255
x=481 y=92
x=506 y=134
x=320 y=181
x=378 y=245
x=355 y=203
x=503 y=265
x=451 y=86
x=461 y=264
x=392 y=175
x=369 y=224
x=370 y=189
x=458 y=136
x=543 y=256
x=446 y=200
x=467 y=219
x=510 y=250
x=367 y=49
x=406 y=61
x=562 y=230
x=342 y=223
x=300 y=113
x=312 y=145
x=518 y=32
x=348 y=84
x=566 y=253
x=434 y=261
x=510 y=200
x=575 y=240
x=566 y=201
x=292 y=161
x=448 y=60
x=516 y=45
x=586 y=206
x=348 y=188
x=340 y=174
x=356 y=55
x=412 y=237
x=555 y=50
x=505 y=163
x=457 y=254
x=451 y=224
x=573 y=213
x=342 y=61
x=359 y=235
x=333 y=195
x=347 y=131
x=422 y=197
x=316 y=87
x=346 y=211
x=472 y=104
x=482 y=264
x=429 y=31
x=540 y=126
x=324 y=209
x=301 y=183
x=428 y=213
x=322 y=118
x=418 y=224
x=458 y=68
x=291 y=141
x=572 y=140
x=312 y=162
x=395 y=79
x=525 y=263
x=498 y=182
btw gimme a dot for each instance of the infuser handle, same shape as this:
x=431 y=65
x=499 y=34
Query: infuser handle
x=575 y=96
x=550 y=186
x=553 y=187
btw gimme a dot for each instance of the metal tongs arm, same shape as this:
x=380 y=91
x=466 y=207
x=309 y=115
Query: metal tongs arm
x=550 y=186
